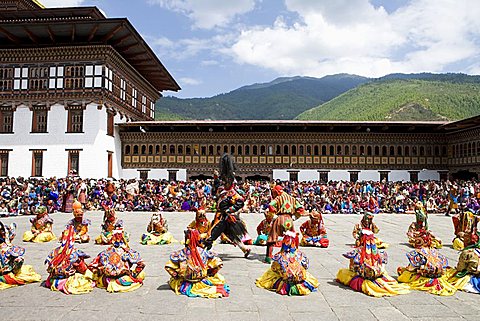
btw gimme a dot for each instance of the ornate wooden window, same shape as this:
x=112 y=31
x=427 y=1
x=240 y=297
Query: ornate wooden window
x=108 y=84
x=150 y=149
x=75 y=121
x=399 y=150
x=55 y=79
x=232 y=149
x=407 y=151
x=110 y=123
x=324 y=150
x=4 y=162
x=278 y=150
x=135 y=149
x=38 y=78
x=144 y=150
x=354 y=150
x=134 y=98
x=414 y=151
x=377 y=151
x=240 y=150
x=73 y=161
x=20 y=79
x=369 y=150
x=362 y=150
x=188 y=150
x=384 y=150
x=143 y=175
x=127 y=150
x=93 y=76
x=152 y=109
x=144 y=104
x=180 y=149
x=332 y=150
x=347 y=150
x=301 y=150
x=286 y=150
x=123 y=88
x=6 y=79
x=37 y=163
x=6 y=120
x=172 y=150
x=422 y=151
x=263 y=150
x=294 y=150
x=74 y=77
x=39 y=120
x=309 y=150
x=247 y=150
x=210 y=150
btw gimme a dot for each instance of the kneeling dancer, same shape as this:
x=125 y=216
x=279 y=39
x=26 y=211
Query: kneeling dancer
x=67 y=271
x=194 y=270
x=12 y=270
x=118 y=268
x=366 y=272
x=288 y=273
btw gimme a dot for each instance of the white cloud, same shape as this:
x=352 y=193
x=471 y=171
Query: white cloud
x=61 y=3
x=190 y=47
x=209 y=63
x=190 y=81
x=207 y=14
x=353 y=36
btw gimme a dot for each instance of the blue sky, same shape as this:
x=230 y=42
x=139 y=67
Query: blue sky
x=215 y=46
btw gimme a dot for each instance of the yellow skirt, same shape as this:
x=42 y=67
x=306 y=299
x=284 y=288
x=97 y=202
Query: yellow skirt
x=273 y=281
x=121 y=284
x=207 y=288
x=26 y=275
x=380 y=287
x=75 y=284
x=438 y=286
x=42 y=237
x=151 y=239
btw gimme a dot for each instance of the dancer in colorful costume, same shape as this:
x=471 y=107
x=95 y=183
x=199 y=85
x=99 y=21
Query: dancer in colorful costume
x=109 y=222
x=427 y=270
x=201 y=223
x=12 y=270
x=229 y=203
x=79 y=224
x=418 y=233
x=41 y=230
x=288 y=273
x=466 y=230
x=118 y=268
x=366 y=272
x=286 y=207
x=194 y=270
x=314 y=231
x=367 y=224
x=466 y=276
x=263 y=229
x=157 y=232
x=67 y=271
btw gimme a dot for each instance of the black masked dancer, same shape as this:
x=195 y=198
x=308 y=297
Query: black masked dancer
x=229 y=203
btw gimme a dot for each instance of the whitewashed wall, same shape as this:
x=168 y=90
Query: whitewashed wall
x=94 y=143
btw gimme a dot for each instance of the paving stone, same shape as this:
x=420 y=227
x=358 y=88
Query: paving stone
x=155 y=300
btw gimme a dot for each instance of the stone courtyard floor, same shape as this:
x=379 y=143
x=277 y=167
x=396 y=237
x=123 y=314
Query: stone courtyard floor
x=155 y=301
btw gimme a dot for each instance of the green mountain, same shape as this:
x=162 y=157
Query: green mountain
x=404 y=97
x=283 y=98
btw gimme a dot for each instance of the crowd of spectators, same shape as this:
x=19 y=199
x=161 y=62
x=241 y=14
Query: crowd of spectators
x=20 y=196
